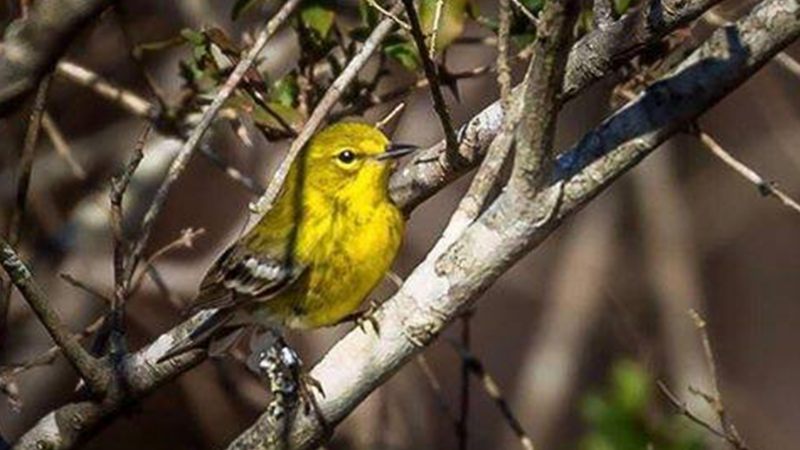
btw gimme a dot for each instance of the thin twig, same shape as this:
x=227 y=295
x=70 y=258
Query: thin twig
x=439 y=104
x=389 y=14
x=125 y=99
x=685 y=411
x=438 y=392
x=9 y=374
x=123 y=259
x=184 y=241
x=715 y=399
x=728 y=431
x=437 y=22
x=24 y=172
x=394 y=113
x=462 y=432
x=80 y=285
x=141 y=107
x=475 y=366
x=61 y=146
x=765 y=187
x=526 y=12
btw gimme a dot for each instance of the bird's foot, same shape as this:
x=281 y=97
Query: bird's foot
x=288 y=382
x=364 y=317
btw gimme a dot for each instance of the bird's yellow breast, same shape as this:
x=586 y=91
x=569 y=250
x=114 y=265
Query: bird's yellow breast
x=347 y=247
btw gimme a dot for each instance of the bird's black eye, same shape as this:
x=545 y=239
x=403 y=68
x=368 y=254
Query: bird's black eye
x=347 y=156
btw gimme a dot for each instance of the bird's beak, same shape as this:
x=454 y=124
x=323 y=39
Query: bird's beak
x=395 y=151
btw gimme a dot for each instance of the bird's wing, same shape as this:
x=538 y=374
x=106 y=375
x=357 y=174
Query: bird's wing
x=241 y=275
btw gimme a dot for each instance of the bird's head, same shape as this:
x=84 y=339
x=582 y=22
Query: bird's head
x=351 y=159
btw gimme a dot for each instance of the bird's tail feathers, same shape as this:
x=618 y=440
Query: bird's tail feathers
x=216 y=334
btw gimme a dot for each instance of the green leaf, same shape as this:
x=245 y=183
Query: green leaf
x=622 y=6
x=534 y=6
x=403 y=51
x=285 y=91
x=631 y=386
x=318 y=16
x=621 y=417
x=451 y=23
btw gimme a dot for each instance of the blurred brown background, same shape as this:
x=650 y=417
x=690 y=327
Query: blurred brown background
x=681 y=231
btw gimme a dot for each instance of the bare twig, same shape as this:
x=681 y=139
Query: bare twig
x=62 y=147
x=526 y=12
x=765 y=187
x=439 y=104
x=123 y=259
x=462 y=431
x=389 y=14
x=24 y=172
x=438 y=392
x=125 y=99
x=184 y=241
x=394 y=113
x=490 y=386
x=728 y=431
x=685 y=411
x=94 y=292
x=25 y=165
x=9 y=374
x=437 y=22
x=141 y=107
x=91 y=371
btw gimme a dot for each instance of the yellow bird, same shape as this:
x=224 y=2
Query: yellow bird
x=330 y=237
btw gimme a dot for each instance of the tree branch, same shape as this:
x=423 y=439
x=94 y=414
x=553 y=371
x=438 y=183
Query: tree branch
x=450 y=280
x=96 y=376
x=537 y=127
x=591 y=59
x=32 y=45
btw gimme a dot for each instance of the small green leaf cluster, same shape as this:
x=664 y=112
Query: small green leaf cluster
x=623 y=416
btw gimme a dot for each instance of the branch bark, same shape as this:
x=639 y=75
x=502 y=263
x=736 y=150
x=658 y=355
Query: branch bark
x=32 y=45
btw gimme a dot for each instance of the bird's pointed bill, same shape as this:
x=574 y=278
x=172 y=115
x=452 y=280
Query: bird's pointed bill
x=395 y=151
